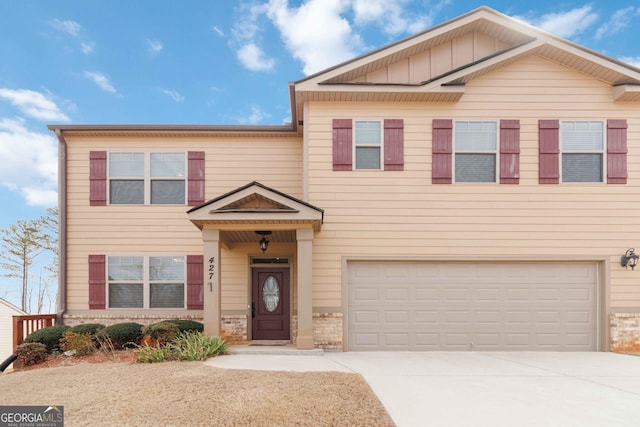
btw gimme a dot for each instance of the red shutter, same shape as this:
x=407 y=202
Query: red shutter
x=98 y=178
x=97 y=282
x=549 y=151
x=509 y=151
x=342 y=145
x=196 y=178
x=616 y=151
x=441 y=151
x=394 y=145
x=195 y=282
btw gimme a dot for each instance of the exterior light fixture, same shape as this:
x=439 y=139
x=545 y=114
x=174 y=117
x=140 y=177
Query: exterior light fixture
x=629 y=259
x=264 y=242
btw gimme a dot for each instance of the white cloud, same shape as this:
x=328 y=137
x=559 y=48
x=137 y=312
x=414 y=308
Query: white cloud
x=253 y=58
x=218 y=30
x=34 y=104
x=564 y=24
x=256 y=116
x=173 y=95
x=69 y=27
x=29 y=163
x=391 y=15
x=154 y=46
x=86 y=48
x=101 y=80
x=618 y=21
x=315 y=33
x=631 y=60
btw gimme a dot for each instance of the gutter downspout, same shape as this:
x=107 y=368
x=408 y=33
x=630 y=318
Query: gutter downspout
x=62 y=226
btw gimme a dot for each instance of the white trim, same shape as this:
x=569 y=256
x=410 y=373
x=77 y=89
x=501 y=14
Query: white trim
x=495 y=152
x=379 y=146
x=603 y=151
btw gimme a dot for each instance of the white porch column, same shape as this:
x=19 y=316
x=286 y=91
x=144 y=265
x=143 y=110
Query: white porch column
x=305 y=297
x=211 y=315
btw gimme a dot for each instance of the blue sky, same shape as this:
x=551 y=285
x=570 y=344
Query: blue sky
x=209 y=62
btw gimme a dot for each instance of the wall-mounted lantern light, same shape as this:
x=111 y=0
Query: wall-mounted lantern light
x=629 y=259
x=264 y=242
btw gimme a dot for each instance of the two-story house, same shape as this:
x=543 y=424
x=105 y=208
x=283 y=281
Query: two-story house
x=473 y=186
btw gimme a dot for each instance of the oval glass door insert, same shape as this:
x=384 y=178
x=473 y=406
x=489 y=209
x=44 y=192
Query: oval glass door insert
x=270 y=293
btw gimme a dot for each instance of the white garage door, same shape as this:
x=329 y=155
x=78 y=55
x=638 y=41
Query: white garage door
x=472 y=306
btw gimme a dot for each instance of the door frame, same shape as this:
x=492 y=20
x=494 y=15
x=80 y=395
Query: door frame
x=286 y=268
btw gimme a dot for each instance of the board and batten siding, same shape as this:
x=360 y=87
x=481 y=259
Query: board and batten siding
x=393 y=214
x=164 y=229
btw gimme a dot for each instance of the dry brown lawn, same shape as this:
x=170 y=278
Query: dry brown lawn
x=123 y=393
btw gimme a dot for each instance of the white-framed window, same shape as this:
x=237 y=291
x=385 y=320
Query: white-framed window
x=367 y=137
x=475 y=148
x=137 y=178
x=146 y=281
x=582 y=151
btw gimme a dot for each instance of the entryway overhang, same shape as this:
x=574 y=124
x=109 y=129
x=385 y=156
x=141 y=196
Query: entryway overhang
x=233 y=218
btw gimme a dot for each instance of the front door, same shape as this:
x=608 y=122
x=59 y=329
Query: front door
x=270 y=318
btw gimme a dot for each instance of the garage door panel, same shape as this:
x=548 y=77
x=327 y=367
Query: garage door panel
x=462 y=306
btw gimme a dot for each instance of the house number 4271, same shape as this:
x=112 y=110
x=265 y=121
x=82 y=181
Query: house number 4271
x=212 y=270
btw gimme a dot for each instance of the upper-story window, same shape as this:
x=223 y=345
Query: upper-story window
x=368 y=144
x=475 y=151
x=582 y=149
x=147 y=178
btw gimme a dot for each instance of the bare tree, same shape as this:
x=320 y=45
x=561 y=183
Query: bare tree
x=22 y=242
x=48 y=226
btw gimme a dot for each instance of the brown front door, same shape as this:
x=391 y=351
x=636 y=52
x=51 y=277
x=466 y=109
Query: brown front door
x=270 y=318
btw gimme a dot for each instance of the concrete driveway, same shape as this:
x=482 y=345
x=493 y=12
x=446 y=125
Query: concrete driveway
x=482 y=388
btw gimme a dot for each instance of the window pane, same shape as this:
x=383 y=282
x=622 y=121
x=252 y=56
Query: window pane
x=126 y=165
x=476 y=135
x=367 y=158
x=475 y=168
x=166 y=268
x=126 y=192
x=368 y=133
x=167 y=192
x=123 y=268
x=582 y=136
x=167 y=295
x=125 y=295
x=581 y=167
x=167 y=165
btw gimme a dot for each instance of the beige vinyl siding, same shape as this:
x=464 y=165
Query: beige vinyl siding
x=385 y=214
x=164 y=229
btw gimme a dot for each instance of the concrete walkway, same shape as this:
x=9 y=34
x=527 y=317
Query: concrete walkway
x=479 y=388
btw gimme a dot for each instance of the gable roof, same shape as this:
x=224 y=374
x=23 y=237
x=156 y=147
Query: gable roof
x=256 y=203
x=12 y=307
x=474 y=44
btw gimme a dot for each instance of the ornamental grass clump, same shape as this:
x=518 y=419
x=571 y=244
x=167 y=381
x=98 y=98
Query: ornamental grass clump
x=188 y=346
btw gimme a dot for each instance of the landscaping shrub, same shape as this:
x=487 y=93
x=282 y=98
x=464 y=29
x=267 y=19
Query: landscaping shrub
x=87 y=328
x=81 y=343
x=49 y=336
x=187 y=325
x=123 y=334
x=30 y=353
x=161 y=333
x=186 y=346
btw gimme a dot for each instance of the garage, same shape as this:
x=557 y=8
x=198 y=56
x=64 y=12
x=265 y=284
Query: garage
x=550 y=306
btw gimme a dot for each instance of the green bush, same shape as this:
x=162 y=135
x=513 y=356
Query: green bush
x=162 y=332
x=49 y=336
x=87 y=328
x=187 y=325
x=123 y=334
x=30 y=353
x=82 y=344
